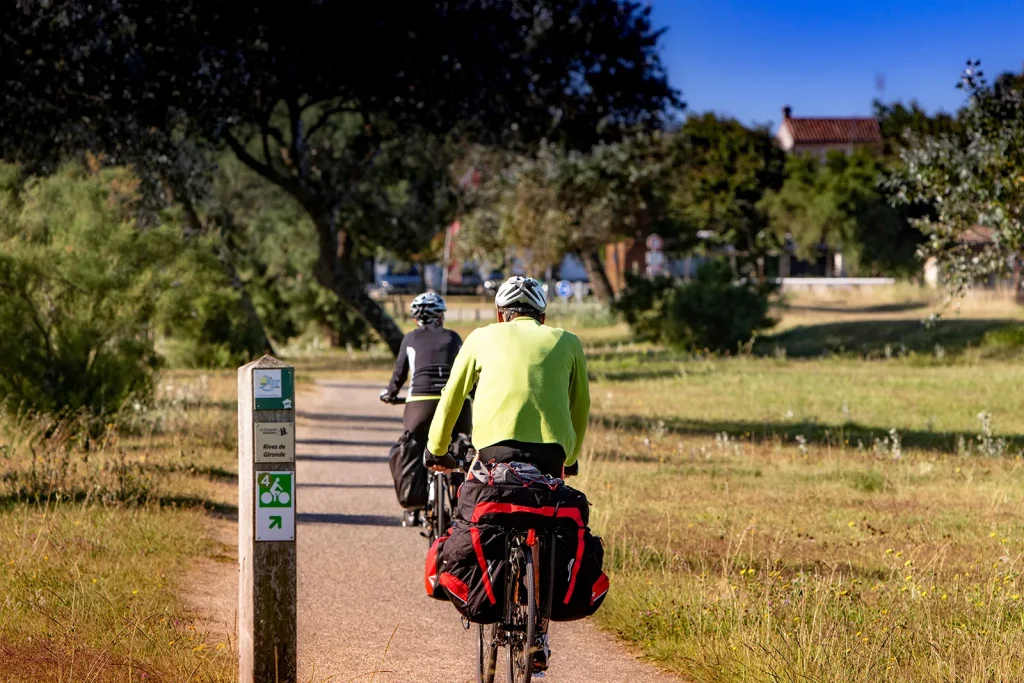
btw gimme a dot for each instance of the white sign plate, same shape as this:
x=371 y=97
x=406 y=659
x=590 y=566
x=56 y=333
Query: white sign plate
x=267 y=383
x=275 y=441
x=275 y=506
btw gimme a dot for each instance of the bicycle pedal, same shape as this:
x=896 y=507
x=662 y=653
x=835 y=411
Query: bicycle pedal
x=424 y=534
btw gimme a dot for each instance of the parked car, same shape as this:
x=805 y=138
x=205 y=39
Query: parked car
x=401 y=281
x=493 y=281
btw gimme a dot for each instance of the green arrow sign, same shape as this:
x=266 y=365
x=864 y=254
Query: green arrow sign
x=275 y=522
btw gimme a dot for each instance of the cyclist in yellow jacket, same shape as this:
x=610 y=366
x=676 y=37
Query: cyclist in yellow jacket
x=532 y=397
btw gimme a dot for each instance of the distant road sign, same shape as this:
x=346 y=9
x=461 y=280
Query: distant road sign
x=563 y=289
x=654 y=242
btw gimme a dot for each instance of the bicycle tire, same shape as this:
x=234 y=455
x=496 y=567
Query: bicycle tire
x=520 y=650
x=442 y=515
x=487 y=653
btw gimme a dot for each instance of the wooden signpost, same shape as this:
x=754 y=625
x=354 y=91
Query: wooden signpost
x=266 y=522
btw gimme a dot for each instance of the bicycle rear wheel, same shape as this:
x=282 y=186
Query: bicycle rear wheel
x=442 y=512
x=522 y=641
x=487 y=653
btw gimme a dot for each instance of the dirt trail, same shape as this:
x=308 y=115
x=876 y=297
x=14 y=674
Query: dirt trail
x=363 y=615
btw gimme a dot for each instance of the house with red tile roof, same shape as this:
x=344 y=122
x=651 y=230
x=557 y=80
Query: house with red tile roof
x=819 y=135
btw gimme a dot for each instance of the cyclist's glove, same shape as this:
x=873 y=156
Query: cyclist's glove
x=386 y=396
x=573 y=469
x=447 y=461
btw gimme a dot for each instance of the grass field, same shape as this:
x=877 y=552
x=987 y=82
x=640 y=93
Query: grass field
x=840 y=503
x=831 y=518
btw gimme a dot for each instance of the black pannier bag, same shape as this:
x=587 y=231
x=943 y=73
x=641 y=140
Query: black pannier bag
x=406 y=462
x=471 y=569
x=580 y=585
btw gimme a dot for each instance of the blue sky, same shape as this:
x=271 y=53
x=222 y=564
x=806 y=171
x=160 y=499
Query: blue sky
x=748 y=58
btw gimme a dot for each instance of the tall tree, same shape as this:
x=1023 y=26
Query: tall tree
x=976 y=178
x=320 y=96
x=721 y=171
x=559 y=202
x=900 y=123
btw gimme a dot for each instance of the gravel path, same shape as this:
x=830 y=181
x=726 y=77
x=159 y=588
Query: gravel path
x=363 y=614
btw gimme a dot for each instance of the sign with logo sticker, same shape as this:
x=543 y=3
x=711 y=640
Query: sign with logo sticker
x=275 y=506
x=273 y=388
x=274 y=441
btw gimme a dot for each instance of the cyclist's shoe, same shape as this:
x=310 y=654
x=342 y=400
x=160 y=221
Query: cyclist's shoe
x=412 y=518
x=542 y=655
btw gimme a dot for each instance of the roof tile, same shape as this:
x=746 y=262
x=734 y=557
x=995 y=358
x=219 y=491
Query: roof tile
x=807 y=130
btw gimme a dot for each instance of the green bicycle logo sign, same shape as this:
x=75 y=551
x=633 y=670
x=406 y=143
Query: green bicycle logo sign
x=275 y=490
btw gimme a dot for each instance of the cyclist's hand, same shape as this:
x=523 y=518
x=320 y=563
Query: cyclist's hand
x=386 y=396
x=573 y=469
x=439 y=463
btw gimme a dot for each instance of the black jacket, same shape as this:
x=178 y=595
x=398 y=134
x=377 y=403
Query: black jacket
x=427 y=353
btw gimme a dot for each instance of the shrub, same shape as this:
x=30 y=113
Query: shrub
x=711 y=312
x=642 y=304
x=78 y=281
x=199 y=316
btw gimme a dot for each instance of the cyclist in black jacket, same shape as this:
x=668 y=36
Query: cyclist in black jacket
x=427 y=355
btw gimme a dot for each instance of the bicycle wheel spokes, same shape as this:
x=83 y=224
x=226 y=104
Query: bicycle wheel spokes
x=487 y=653
x=522 y=635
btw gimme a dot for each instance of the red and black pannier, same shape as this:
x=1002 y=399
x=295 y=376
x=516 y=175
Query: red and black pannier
x=469 y=563
x=470 y=568
x=580 y=584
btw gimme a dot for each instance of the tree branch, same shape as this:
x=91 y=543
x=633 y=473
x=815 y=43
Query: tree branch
x=252 y=162
x=326 y=116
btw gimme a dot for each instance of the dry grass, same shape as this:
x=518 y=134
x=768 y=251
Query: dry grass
x=97 y=537
x=740 y=561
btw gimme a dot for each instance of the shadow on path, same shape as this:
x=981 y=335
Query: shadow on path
x=339 y=417
x=356 y=520
x=343 y=458
x=319 y=485
x=344 y=442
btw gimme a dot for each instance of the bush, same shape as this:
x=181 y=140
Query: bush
x=711 y=312
x=199 y=316
x=78 y=282
x=642 y=304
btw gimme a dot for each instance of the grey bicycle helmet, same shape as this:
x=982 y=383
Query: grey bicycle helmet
x=519 y=291
x=427 y=307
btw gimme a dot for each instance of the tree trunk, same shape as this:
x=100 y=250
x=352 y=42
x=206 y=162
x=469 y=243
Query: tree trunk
x=600 y=285
x=260 y=341
x=337 y=271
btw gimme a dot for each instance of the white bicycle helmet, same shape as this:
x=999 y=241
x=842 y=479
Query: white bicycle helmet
x=520 y=291
x=427 y=307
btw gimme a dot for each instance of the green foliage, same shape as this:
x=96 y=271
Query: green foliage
x=721 y=170
x=642 y=304
x=78 y=288
x=838 y=205
x=901 y=123
x=199 y=316
x=556 y=201
x=275 y=245
x=971 y=177
x=712 y=312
